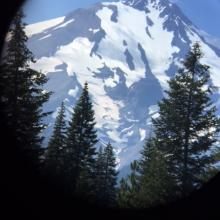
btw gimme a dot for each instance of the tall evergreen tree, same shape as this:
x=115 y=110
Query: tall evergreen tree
x=149 y=183
x=99 y=176
x=187 y=126
x=128 y=194
x=80 y=146
x=156 y=185
x=123 y=197
x=54 y=157
x=22 y=95
x=106 y=176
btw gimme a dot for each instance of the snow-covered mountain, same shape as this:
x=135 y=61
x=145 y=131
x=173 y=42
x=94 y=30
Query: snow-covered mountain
x=126 y=51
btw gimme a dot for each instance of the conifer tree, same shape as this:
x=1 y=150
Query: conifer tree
x=110 y=175
x=187 y=126
x=54 y=160
x=99 y=177
x=123 y=194
x=106 y=176
x=80 y=147
x=128 y=195
x=22 y=94
x=156 y=186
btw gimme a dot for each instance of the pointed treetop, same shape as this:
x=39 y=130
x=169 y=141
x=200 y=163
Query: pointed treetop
x=62 y=104
x=85 y=92
x=193 y=56
x=86 y=85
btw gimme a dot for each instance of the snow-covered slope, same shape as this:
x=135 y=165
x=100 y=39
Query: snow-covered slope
x=126 y=51
x=41 y=26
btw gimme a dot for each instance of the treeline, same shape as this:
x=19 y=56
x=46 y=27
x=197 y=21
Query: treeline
x=178 y=158
x=71 y=155
x=183 y=151
x=22 y=94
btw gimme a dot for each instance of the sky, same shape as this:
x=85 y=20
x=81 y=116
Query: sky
x=203 y=13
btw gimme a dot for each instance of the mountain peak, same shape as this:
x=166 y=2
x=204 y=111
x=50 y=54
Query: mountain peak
x=146 y=2
x=126 y=51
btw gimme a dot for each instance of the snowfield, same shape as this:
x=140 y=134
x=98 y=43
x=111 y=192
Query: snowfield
x=41 y=26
